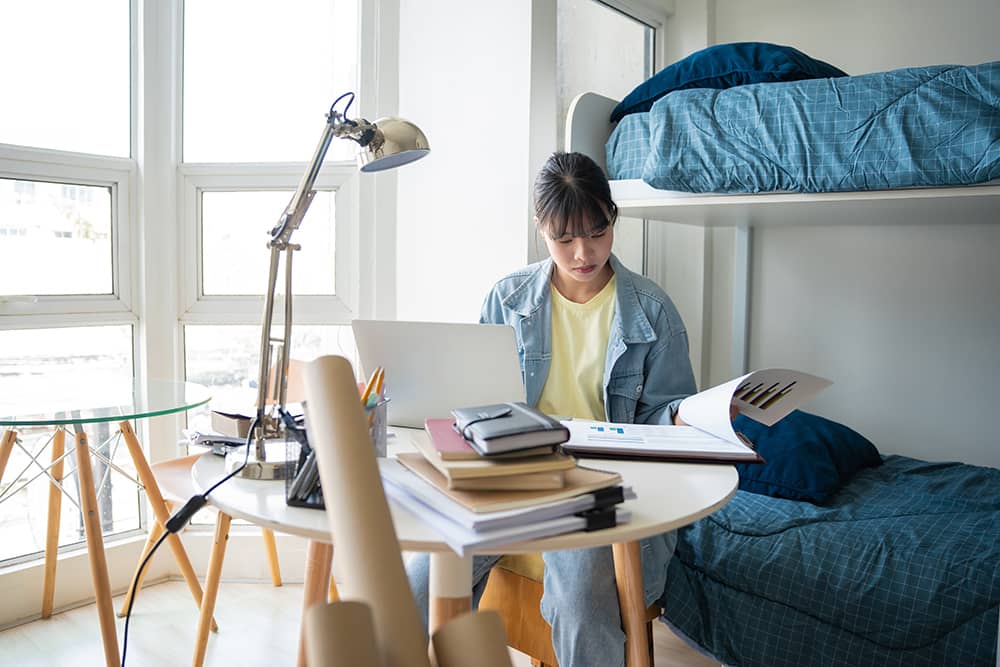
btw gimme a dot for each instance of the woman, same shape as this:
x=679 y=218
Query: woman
x=596 y=341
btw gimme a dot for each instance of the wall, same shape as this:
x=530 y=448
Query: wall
x=903 y=319
x=464 y=77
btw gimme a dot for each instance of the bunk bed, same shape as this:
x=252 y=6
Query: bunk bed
x=899 y=563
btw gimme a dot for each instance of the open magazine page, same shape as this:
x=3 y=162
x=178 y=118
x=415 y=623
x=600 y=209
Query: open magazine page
x=652 y=441
x=765 y=396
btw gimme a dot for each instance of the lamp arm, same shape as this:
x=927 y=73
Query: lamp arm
x=360 y=130
x=364 y=133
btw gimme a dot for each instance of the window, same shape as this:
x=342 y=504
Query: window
x=609 y=51
x=256 y=88
x=66 y=187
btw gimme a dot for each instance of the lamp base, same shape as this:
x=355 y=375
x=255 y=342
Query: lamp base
x=275 y=466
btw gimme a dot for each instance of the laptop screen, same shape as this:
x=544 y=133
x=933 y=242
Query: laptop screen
x=433 y=367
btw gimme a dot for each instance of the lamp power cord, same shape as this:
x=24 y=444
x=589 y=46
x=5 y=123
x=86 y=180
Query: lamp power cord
x=174 y=524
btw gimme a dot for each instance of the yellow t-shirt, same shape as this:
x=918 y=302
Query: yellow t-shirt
x=575 y=384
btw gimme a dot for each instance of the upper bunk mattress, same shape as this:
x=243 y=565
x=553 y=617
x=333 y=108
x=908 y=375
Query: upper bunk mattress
x=915 y=127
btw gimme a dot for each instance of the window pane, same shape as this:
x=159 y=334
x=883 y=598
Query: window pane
x=235 y=232
x=30 y=361
x=225 y=359
x=55 y=238
x=66 y=63
x=260 y=76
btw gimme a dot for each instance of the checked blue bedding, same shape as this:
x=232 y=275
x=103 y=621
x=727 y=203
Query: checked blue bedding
x=914 y=127
x=901 y=567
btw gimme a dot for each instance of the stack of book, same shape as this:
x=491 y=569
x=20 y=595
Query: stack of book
x=506 y=483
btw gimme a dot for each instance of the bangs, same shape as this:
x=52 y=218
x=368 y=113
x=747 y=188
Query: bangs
x=574 y=215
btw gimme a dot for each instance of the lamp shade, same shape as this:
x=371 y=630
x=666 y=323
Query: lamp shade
x=402 y=143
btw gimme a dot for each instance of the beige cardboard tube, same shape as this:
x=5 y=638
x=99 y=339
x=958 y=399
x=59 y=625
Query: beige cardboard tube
x=358 y=512
x=340 y=633
x=475 y=637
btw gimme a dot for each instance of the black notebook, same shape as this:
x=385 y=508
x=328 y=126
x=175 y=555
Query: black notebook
x=507 y=427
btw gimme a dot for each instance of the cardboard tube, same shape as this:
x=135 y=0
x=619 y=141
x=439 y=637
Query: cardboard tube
x=340 y=633
x=478 y=634
x=358 y=512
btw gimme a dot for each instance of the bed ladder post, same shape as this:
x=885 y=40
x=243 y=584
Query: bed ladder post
x=741 y=300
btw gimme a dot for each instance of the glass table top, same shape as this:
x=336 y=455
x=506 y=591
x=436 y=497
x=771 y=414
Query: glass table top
x=41 y=402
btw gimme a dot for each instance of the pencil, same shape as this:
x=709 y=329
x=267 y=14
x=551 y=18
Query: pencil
x=370 y=386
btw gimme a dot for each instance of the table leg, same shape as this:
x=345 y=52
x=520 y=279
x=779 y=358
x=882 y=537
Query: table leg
x=631 y=601
x=319 y=557
x=272 y=555
x=95 y=551
x=160 y=511
x=54 y=515
x=450 y=587
x=211 y=587
x=6 y=447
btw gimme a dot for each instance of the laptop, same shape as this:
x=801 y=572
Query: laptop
x=433 y=367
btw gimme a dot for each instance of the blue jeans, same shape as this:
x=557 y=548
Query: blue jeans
x=580 y=601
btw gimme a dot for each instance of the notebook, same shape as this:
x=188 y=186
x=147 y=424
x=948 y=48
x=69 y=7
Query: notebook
x=434 y=367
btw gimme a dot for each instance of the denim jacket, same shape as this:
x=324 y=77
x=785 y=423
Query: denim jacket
x=647 y=370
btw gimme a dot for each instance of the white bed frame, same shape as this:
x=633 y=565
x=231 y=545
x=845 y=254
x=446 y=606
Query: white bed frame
x=587 y=131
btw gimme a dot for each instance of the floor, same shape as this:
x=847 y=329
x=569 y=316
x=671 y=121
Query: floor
x=258 y=626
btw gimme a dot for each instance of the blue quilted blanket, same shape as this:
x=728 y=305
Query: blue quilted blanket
x=902 y=568
x=921 y=126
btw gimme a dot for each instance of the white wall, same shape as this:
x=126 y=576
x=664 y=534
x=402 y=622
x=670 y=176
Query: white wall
x=905 y=320
x=464 y=77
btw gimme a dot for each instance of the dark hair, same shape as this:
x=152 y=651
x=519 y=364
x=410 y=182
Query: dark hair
x=572 y=196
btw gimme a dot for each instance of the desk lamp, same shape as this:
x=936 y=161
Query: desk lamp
x=385 y=144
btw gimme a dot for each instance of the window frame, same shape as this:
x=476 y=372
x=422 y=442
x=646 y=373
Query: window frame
x=118 y=174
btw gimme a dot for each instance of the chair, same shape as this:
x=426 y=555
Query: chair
x=514 y=590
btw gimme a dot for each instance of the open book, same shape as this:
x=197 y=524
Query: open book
x=765 y=396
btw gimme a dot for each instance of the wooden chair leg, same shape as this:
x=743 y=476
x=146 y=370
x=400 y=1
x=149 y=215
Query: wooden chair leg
x=155 y=531
x=272 y=555
x=54 y=516
x=156 y=501
x=212 y=579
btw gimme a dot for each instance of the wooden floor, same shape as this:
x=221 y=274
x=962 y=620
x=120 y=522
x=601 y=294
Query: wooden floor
x=258 y=625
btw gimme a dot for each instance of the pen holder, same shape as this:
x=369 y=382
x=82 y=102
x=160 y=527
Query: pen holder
x=378 y=426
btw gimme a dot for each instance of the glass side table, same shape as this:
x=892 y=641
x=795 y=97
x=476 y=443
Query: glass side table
x=61 y=405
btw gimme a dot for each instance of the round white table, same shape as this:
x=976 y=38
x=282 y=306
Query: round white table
x=669 y=496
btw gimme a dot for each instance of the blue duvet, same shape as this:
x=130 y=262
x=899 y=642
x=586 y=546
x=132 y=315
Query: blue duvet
x=900 y=568
x=915 y=127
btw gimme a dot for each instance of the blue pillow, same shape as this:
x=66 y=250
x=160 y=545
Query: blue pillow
x=725 y=66
x=807 y=457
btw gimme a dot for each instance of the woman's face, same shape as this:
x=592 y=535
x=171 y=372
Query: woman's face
x=581 y=261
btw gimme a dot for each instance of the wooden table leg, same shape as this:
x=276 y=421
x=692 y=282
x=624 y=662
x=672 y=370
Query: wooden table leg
x=6 y=447
x=54 y=515
x=212 y=579
x=272 y=555
x=450 y=587
x=319 y=557
x=95 y=551
x=631 y=601
x=160 y=511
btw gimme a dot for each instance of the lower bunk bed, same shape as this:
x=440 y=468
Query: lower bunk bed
x=901 y=566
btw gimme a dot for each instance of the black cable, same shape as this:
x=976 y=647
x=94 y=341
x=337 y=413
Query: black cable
x=178 y=520
x=349 y=103
x=135 y=591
